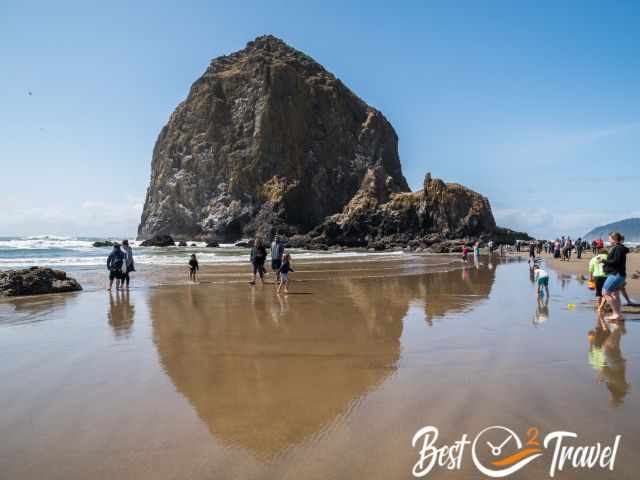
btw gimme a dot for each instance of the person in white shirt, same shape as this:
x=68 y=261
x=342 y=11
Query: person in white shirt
x=541 y=278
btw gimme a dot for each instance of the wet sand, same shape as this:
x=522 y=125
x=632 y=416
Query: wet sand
x=227 y=381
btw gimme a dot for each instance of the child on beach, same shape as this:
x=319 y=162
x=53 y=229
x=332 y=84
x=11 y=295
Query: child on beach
x=596 y=271
x=284 y=270
x=541 y=278
x=193 y=268
x=465 y=254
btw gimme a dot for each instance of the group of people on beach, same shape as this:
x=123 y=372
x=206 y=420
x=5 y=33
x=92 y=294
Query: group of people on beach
x=120 y=264
x=607 y=269
x=608 y=274
x=280 y=262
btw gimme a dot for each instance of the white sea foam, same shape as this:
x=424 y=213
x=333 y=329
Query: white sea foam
x=79 y=252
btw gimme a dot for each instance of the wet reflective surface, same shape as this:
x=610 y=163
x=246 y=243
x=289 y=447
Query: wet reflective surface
x=224 y=380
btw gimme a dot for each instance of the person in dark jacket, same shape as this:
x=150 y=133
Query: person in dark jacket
x=258 y=257
x=115 y=262
x=194 y=266
x=615 y=266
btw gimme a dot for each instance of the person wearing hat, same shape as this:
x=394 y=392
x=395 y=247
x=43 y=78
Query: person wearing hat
x=115 y=261
x=128 y=264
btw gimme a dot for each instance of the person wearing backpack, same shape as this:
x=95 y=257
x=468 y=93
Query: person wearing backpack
x=115 y=262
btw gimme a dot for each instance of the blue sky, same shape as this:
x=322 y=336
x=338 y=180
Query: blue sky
x=534 y=104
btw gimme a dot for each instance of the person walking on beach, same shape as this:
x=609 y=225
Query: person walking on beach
x=541 y=278
x=128 y=263
x=596 y=272
x=258 y=257
x=115 y=261
x=465 y=254
x=277 y=251
x=194 y=266
x=615 y=266
x=579 y=247
x=284 y=270
x=532 y=251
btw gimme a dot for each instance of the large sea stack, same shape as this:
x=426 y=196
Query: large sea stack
x=268 y=141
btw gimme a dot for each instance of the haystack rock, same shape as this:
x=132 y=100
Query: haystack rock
x=268 y=141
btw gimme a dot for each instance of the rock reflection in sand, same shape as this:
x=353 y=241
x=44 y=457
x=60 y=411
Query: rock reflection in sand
x=266 y=372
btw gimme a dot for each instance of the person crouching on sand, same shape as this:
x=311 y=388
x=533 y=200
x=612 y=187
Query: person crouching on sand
x=615 y=266
x=541 y=278
x=284 y=270
x=115 y=261
x=193 y=268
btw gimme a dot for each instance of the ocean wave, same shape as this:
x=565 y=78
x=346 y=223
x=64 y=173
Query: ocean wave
x=219 y=257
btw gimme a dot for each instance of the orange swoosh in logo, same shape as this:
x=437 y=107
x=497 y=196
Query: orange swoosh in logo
x=516 y=457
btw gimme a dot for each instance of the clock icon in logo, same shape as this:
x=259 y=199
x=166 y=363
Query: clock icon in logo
x=494 y=442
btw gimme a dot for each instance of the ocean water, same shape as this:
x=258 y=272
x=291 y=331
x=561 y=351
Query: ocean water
x=60 y=252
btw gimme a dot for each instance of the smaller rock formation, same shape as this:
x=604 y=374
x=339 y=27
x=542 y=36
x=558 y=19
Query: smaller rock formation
x=439 y=218
x=212 y=244
x=103 y=243
x=35 y=281
x=182 y=244
x=159 y=241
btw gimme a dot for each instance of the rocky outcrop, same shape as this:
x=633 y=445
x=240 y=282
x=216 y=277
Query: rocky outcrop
x=267 y=140
x=378 y=217
x=159 y=241
x=35 y=281
x=103 y=243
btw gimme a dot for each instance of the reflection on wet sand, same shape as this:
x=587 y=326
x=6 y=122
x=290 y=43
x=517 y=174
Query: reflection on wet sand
x=605 y=356
x=266 y=372
x=121 y=313
x=33 y=309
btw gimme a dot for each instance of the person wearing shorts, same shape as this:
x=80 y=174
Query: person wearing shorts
x=615 y=266
x=115 y=260
x=285 y=268
x=542 y=280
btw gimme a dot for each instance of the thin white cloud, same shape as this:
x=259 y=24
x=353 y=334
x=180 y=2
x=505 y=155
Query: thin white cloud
x=91 y=218
x=545 y=144
x=543 y=223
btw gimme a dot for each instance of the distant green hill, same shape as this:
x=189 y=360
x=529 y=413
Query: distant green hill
x=629 y=227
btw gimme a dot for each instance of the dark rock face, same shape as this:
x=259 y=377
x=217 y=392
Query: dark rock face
x=34 y=281
x=377 y=217
x=103 y=243
x=159 y=241
x=267 y=140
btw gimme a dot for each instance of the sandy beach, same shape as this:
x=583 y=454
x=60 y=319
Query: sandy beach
x=581 y=267
x=224 y=380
